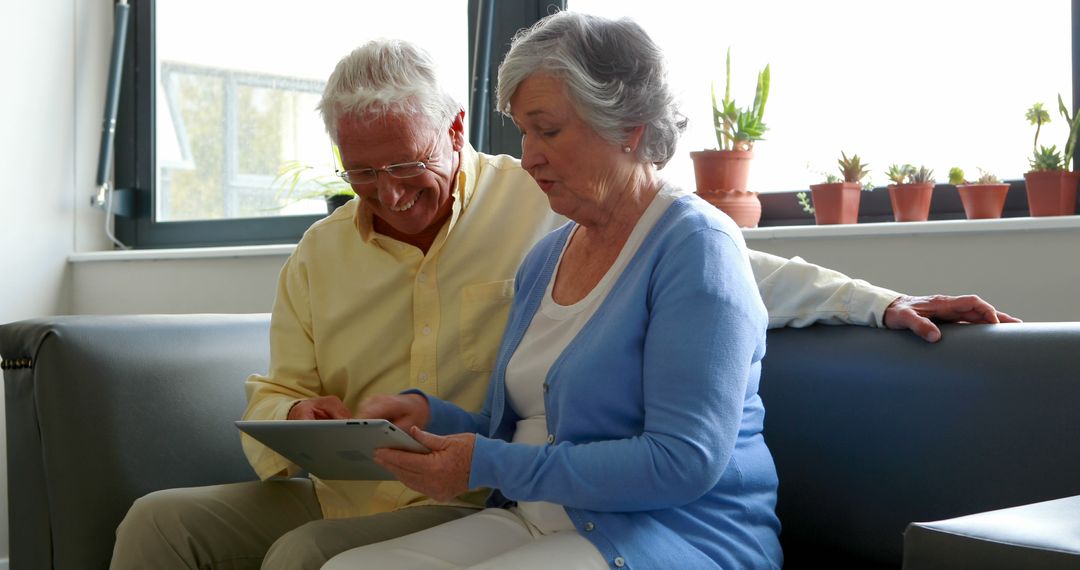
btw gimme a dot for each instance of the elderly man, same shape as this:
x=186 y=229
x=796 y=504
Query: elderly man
x=409 y=286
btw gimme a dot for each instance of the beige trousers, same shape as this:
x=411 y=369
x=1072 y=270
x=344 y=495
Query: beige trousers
x=492 y=539
x=273 y=525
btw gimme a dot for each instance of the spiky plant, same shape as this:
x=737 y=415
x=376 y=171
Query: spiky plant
x=1046 y=159
x=736 y=128
x=920 y=175
x=1074 y=130
x=852 y=168
x=899 y=174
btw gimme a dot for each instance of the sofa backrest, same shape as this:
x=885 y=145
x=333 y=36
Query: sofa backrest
x=872 y=429
x=104 y=409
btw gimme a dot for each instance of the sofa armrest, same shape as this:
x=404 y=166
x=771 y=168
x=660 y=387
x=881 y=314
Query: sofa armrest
x=104 y=409
x=872 y=429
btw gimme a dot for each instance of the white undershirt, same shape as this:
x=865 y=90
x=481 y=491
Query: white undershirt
x=549 y=333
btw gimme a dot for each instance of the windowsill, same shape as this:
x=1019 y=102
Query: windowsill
x=773 y=232
x=915 y=228
x=184 y=253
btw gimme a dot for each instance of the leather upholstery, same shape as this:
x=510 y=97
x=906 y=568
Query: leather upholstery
x=115 y=407
x=871 y=429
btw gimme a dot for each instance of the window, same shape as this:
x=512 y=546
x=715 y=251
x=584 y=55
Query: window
x=923 y=82
x=235 y=87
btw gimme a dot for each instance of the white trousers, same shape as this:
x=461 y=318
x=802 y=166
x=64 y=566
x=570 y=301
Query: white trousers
x=489 y=540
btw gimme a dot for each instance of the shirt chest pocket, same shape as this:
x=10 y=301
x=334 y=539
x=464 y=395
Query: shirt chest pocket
x=484 y=310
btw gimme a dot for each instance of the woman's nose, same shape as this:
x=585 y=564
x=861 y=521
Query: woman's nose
x=530 y=155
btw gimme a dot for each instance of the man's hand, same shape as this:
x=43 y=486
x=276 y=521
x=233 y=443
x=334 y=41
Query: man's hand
x=442 y=474
x=403 y=410
x=920 y=313
x=321 y=408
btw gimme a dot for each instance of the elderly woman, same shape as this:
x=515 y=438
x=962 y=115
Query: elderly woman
x=622 y=426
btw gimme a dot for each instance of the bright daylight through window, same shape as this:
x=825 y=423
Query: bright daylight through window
x=237 y=85
x=922 y=82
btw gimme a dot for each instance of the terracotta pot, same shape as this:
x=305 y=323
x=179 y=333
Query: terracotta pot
x=743 y=206
x=911 y=202
x=836 y=203
x=721 y=169
x=983 y=200
x=1051 y=193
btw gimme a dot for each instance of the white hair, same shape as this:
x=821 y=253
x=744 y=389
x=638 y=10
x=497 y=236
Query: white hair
x=615 y=76
x=384 y=77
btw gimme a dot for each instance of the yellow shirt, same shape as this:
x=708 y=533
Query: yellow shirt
x=358 y=313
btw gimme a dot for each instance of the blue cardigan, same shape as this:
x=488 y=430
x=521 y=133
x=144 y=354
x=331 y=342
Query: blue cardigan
x=654 y=419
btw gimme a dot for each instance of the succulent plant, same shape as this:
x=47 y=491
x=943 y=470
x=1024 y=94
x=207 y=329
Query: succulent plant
x=899 y=174
x=1074 y=130
x=920 y=175
x=956 y=176
x=1038 y=117
x=737 y=129
x=852 y=168
x=804 y=201
x=986 y=178
x=1046 y=159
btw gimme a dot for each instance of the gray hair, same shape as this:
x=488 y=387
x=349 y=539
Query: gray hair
x=615 y=76
x=385 y=77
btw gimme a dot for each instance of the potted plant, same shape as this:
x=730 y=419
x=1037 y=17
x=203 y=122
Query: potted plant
x=836 y=201
x=1051 y=186
x=298 y=180
x=910 y=192
x=983 y=198
x=722 y=174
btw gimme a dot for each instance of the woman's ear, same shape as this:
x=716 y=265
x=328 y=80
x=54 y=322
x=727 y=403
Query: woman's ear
x=633 y=138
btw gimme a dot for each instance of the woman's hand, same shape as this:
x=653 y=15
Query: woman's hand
x=403 y=410
x=442 y=474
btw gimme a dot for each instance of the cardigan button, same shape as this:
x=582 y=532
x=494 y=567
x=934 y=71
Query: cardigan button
x=551 y=438
x=589 y=527
x=619 y=562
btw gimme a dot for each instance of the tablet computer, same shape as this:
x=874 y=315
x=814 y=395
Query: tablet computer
x=333 y=449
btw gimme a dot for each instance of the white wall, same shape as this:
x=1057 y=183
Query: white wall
x=1028 y=268
x=37 y=156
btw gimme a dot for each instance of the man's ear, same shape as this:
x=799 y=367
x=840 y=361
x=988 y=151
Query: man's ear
x=457 y=130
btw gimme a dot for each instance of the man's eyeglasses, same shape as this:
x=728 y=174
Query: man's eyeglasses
x=370 y=175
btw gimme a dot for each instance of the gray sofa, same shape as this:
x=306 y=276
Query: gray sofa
x=871 y=429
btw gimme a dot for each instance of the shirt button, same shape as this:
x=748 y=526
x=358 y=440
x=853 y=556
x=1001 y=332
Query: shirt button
x=551 y=438
x=426 y=330
x=619 y=562
x=422 y=376
x=589 y=527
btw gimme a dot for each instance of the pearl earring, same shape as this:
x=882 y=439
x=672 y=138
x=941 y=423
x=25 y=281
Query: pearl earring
x=626 y=149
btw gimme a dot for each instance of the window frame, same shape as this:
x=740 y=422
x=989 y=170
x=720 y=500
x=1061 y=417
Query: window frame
x=135 y=157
